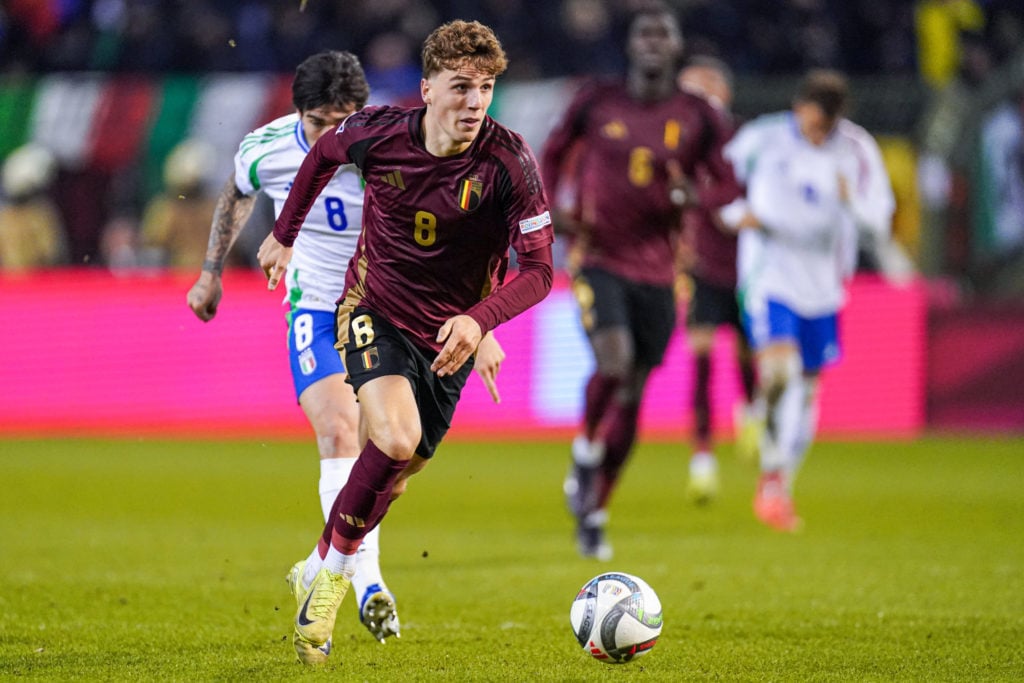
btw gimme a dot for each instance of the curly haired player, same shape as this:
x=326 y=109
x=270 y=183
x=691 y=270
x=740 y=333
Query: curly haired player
x=448 y=192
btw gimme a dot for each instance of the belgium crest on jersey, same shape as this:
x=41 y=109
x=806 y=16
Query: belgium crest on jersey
x=470 y=190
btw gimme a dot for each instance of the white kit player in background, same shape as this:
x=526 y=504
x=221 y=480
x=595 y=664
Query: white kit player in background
x=327 y=88
x=816 y=188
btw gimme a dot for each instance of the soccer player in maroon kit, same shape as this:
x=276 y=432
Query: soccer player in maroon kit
x=638 y=141
x=708 y=252
x=448 y=191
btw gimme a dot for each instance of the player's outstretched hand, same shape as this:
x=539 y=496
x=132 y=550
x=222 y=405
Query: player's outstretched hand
x=204 y=297
x=489 y=357
x=273 y=258
x=461 y=336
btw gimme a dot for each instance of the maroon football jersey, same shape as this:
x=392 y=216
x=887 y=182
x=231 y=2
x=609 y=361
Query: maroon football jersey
x=622 y=179
x=436 y=230
x=713 y=245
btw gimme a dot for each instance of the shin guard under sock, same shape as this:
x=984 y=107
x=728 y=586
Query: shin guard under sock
x=597 y=397
x=702 y=403
x=364 y=499
x=618 y=442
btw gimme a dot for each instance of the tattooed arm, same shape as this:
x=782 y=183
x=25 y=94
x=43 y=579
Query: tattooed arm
x=229 y=217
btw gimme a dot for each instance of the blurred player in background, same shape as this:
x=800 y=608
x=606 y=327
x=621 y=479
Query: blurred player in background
x=708 y=256
x=31 y=230
x=328 y=87
x=448 y=191
x=816 y=186
x=636 y=141
x=176 y=220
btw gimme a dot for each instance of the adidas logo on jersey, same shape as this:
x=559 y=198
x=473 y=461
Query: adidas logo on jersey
x=394 y=179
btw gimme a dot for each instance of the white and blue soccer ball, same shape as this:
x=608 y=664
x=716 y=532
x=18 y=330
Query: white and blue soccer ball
x=616 y=617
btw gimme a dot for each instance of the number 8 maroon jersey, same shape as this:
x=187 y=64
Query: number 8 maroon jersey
x=436 y=230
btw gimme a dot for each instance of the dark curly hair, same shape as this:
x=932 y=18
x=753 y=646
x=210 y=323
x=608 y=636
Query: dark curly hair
x=332 y=78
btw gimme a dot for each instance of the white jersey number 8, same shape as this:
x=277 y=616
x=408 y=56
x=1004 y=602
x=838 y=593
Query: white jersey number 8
x=302 y=327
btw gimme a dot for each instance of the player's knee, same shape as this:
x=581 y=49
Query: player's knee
x=340 y=444
x=810 y=387
x=631 y=391
x=616 y=367
x=613 y=353
x=776 y=370
x=337 y=437
x=621 y=367
x=397 y=441
x=700 y=340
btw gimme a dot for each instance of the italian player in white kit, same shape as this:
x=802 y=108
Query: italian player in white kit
x=327 y=87
x=816 y=188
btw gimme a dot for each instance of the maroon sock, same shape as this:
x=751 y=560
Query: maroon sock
x=325 y=536
x=597 y=396
x=364 y=498
x=603 y=486
x=702 y=403
x=618 y=442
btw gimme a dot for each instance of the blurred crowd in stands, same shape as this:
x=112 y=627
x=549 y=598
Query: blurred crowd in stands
x=935 y=44
x=543 y=37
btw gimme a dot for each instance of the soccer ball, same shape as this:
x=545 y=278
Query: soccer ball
x=616 y=617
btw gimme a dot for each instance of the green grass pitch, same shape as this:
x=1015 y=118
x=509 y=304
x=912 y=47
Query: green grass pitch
x=164 y=561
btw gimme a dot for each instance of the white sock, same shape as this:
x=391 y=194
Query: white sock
x=790 y=416
x=702 y=463
x=339 y=563
x=597 y=518
x=334 y=472
x=313 y=565
x=808 y=424
x=587 y=453
x=772 y=457
x=368 y=563
x=783 y=395
x=755 y=409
